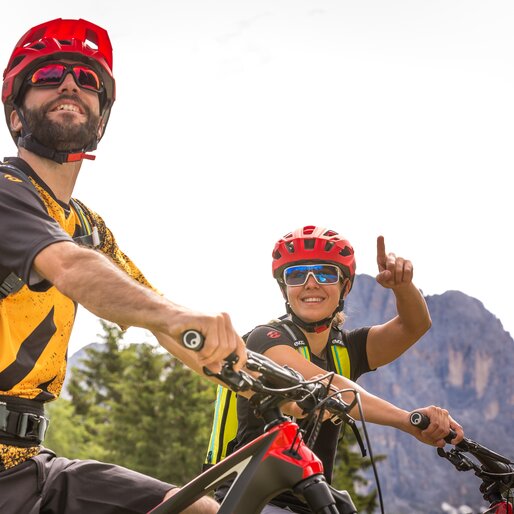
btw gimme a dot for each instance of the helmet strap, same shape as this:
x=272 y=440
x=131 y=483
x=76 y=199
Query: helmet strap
x=27 y=141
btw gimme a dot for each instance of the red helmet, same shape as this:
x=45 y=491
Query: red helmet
x=312 y=243
x=77 y=40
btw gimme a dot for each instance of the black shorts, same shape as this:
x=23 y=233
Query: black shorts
x=47 y=484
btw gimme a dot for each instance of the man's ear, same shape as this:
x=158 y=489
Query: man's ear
x=100 y=131
x=15 y=122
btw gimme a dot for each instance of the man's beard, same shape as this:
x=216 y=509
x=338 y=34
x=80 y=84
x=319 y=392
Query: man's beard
x=65 y=135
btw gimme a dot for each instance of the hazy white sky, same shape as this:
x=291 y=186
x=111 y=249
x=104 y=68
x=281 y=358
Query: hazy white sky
x=239 y=120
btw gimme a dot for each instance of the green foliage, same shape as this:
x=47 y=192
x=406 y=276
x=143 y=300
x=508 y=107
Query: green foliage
x=138 y=407
x=166 y=410
x=348 y=469
x=67 y=435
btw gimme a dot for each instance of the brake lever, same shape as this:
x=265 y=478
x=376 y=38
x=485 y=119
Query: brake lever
x=235 y=380
x=459 y=461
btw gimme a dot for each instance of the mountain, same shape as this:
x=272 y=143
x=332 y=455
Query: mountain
x=464 y=363
x=75 y=361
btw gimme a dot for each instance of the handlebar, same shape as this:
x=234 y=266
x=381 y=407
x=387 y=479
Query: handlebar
x=496 y=471
x=276 y=383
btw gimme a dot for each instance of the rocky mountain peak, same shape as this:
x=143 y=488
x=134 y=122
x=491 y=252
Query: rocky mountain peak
x=464 y=363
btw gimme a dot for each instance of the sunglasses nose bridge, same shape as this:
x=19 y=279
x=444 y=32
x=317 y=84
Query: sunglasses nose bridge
x=313 y=275
x=65 y=78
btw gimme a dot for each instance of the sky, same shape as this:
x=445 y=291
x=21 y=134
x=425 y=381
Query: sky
x=237 y=121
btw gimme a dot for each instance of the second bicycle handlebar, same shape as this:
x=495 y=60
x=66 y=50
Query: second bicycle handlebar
x=491 y=461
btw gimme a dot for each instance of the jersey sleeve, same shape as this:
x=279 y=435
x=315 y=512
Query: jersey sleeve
x=264 y=337
x=109 y=246
x=356 y=341
x=25 y=226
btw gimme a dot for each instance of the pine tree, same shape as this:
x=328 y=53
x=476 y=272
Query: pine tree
x=142 y=409
x=160 y=426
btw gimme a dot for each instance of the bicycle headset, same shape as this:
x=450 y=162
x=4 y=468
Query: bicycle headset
x=73 y=40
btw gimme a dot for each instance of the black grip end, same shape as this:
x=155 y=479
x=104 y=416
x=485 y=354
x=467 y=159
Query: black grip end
x=419 y=420
x=192 y=340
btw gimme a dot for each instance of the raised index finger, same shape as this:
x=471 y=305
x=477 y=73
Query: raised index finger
x=381 y=253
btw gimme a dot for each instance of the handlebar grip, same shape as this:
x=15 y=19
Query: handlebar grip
x=192 y=340
x=421 y=421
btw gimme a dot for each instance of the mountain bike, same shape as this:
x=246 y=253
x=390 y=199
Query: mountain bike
x=495 y=470
x=279 y=460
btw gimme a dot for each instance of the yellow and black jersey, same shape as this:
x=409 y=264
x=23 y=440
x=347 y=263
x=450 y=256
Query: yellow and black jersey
x=36 y=319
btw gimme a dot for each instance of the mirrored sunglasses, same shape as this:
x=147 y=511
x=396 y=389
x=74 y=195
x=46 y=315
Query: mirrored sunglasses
x=53 y=74
x=323 y=274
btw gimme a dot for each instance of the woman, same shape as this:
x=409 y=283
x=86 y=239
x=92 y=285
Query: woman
x=315 y=270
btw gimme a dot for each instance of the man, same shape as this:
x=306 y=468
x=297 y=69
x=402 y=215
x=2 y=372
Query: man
x=58 y=92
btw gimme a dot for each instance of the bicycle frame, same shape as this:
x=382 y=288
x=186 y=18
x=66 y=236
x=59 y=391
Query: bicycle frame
x=275 y=462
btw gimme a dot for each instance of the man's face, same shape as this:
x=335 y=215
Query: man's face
x=65 y=117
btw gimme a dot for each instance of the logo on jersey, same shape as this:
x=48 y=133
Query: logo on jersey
x=299 y=343
x=339 y=342
x=273 y=334
x=12 y=179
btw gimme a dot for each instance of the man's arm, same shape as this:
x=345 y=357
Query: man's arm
x=387 y=342
x=94 y=281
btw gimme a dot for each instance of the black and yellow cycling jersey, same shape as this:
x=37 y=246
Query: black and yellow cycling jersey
x=36 y=320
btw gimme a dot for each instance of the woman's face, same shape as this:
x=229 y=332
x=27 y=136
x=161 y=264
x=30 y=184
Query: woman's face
x=313 y=302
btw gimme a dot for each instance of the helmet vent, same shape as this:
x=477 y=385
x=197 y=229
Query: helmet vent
x=277 y=255
x=17 y=61
x=65 y=42
x=91 y=40
x=330 y=233
x=309 y=244
x=38 y=46
x=290 y=247
x=328 y=246
x=345 y=251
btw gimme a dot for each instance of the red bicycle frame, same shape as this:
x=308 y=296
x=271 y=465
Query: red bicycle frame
x=277 y=461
